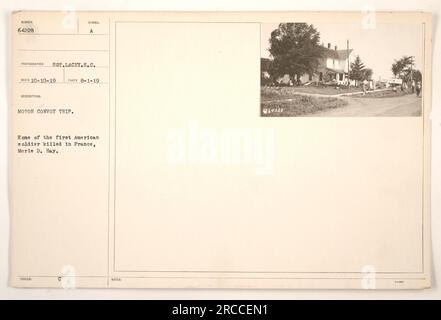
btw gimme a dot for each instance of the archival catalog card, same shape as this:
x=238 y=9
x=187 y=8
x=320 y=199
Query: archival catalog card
x=220 y=150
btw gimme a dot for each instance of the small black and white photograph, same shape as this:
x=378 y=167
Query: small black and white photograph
x=341 y=70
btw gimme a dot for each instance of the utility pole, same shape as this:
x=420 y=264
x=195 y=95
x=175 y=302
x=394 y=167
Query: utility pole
x=347 y=46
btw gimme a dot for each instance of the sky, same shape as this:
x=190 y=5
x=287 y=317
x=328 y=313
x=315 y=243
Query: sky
x=378 y=48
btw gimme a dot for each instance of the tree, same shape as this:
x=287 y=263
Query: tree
x=397 y=68
x=403 y=68
x=296 y=50
x=416 y=75
x=367 y=74
x=265 y=65
x=357 y=71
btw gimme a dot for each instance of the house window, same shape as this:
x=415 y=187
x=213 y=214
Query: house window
x=329 y=63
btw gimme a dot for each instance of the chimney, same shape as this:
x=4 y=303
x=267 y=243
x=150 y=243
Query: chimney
x=329 y=45
x=335 y=47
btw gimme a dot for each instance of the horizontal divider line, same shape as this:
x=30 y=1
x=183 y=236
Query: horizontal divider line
x=98 y=50
x=63 y=34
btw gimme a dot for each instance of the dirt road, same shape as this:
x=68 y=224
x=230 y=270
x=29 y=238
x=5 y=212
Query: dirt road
x=404 y=106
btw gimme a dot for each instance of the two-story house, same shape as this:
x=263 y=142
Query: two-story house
x=333 y=66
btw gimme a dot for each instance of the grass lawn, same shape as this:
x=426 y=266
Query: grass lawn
x=383 y=94
x=298 y=106
x=273 y=93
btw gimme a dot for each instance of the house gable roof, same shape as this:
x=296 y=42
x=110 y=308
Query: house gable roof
x=336 y=54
